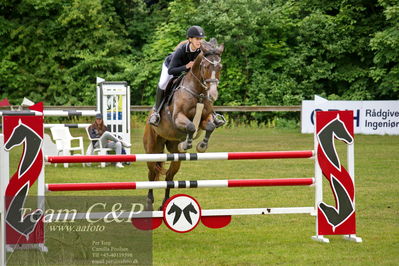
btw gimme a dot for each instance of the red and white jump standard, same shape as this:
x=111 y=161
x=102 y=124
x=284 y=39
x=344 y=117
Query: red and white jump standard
x=27 y=126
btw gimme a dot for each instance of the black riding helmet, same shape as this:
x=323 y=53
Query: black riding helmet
x=195 y=32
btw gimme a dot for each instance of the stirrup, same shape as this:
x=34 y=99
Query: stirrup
x=154 y=119
x=219 y=120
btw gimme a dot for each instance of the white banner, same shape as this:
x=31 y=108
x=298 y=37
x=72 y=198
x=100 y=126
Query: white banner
x=370 y=117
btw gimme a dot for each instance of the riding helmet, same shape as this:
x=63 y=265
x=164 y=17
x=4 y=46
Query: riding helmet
x=195 y=31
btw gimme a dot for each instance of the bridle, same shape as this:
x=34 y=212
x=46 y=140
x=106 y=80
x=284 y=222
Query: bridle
x=203 y=82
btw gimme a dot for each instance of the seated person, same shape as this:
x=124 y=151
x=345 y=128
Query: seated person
x=107 y=139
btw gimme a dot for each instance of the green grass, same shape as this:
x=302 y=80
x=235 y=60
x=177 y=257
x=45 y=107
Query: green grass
x=269 y=239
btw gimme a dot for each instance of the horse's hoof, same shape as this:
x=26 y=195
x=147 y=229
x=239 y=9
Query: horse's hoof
x=148 y=205
x=180 y=147
x=202 y=146
x=183 y=147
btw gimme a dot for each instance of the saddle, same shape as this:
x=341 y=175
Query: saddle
x=172 y=86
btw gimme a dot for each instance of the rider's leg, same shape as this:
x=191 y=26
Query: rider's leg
x=155 y=117
x=163 y=82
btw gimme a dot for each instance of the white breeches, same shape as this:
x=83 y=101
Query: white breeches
x=165 y=77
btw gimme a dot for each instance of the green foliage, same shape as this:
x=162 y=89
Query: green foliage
x=385 y=45
x=54 y=50
x=276 y=52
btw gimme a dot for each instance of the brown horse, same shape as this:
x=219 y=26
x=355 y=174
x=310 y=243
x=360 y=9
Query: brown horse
x=176 y=128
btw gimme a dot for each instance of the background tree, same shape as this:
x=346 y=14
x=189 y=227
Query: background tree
x=276 y=52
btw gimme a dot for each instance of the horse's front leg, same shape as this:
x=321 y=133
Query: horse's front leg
x=184 y=124
x=209 y=126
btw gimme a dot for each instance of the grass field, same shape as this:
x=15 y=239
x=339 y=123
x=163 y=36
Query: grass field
x=269 y=239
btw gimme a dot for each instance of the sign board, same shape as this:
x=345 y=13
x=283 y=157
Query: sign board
x=113 y=101
x=182 y=213
x=370 y=117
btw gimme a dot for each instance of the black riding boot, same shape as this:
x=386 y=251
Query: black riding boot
x=155 y=118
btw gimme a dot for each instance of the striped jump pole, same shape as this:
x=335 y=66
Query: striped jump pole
x=159 y=214
x=67 y=125
x=70 y=112
x=20 y=113
x=181 y=157
x=181 y=184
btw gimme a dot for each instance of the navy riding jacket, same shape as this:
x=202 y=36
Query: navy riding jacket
x=176 y=61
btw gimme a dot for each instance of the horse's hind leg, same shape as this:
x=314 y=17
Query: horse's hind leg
x=152 y=144
x=170 y=174
x=209 y=126
x=173 y=169
x=153 y=175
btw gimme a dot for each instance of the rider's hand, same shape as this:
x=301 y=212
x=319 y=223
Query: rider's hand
x=190 y=64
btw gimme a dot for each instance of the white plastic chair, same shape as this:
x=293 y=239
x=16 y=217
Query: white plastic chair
x=63 y=139
x=100 y=150
x=49 y=147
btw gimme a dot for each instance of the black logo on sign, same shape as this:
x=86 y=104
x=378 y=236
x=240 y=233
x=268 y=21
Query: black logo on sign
x=186 y=211
x=33 y=142
x=24 y=225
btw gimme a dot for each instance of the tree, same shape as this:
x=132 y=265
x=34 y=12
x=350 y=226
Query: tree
x=277 y=52
x=385 y=44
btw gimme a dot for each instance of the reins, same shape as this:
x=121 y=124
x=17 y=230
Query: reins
x=202 y=96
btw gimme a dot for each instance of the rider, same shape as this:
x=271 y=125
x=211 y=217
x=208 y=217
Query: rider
x=181 y=60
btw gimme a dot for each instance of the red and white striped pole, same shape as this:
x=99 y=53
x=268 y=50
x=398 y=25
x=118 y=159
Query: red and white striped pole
x=181 y=157
x=181 y=184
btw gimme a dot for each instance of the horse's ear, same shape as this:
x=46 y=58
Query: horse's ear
x=220 y=49
x=205 y=47
x=213 y=42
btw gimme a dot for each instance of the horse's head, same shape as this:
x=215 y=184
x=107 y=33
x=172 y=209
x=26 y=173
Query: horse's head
x=210 y=66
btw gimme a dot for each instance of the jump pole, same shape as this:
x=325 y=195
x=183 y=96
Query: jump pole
x=181 y=157
x=181 y=184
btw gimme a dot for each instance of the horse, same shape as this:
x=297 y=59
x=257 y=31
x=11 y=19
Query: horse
x=176 y=128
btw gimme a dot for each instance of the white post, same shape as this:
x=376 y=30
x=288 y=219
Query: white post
x=351 y=170
x=98 y=94
x=318 y=175
x=112 y=118
x=351 y=160
x=128 y=115
x=4 y=179
x=118 y=93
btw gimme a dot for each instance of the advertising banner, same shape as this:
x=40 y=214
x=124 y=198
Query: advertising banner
x=370 y=117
